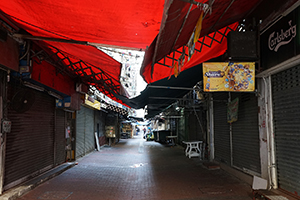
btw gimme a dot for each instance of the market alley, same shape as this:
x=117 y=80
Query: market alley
x=138 y=169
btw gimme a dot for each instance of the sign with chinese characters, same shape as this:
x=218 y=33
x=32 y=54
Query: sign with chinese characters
x=236 y=77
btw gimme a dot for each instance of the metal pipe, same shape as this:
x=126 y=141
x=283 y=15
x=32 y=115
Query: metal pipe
x=268 y=132
x=172 y=98
x=168 y=87
x=30 y=37
x=221 y=15
x=192 y=2
x=211 y=132
x=230 y=135
x=182 y=25
x=272 y=166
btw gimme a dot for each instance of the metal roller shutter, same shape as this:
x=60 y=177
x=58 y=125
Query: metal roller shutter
x=60 y=132
x=89 y=131
x=245 y=134
x=286 y=111
x=80 y=126
x=85 y=136
x=100 y=120
x=30 y=145
x=221 y=128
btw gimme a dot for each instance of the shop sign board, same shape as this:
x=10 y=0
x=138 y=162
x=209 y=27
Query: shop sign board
x=232 y=77
x=281 y=41
x=91 y=102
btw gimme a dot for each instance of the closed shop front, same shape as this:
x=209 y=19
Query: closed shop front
x=60 y=136
x=85 y=134
x=3 y=116
x=237 y=144
x=245 y=134
x=30 y=144
x=286 y=114
x=100 y=126
x=281 y=59
x=221 y=128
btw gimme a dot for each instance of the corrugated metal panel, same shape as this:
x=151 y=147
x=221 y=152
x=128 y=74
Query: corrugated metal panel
x=60 y=132
x=85 y=136
x=80 y=129
x=286 y=109
x=245 y=134
x=30 y=145
x=89 y=130
x=221 y=128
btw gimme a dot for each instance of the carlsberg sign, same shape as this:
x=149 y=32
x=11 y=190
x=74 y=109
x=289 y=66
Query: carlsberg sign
x=282 y=37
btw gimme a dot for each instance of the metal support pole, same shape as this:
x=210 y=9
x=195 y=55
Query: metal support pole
x=270 y=135
x=230 y=135
x=211 y=132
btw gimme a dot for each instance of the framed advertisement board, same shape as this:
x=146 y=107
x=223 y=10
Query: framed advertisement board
x=231 y=77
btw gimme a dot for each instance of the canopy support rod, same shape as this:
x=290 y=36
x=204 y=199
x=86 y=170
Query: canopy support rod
x=182 y=25
x=162 y=26
x=192 y=2
x=232 y=1
x=167 y=87
x=173 y=98
x=30 y=37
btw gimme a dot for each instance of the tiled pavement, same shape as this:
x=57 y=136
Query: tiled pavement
x=136 y=169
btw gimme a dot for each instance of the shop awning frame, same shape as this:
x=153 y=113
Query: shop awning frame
x=202 y=41
x=78 y=68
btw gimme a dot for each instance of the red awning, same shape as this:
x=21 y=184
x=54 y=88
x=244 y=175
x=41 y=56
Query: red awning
x=178 y=23
x=128 y=24
x=93 y=66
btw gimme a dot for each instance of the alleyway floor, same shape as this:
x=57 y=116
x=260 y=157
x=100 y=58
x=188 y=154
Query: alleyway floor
x=136 y=169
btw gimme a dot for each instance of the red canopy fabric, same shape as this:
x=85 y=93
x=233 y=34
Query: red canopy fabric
x=92 y=65
x=98 y=61
x=128 y=24
x=210 y=48
x=176 y=31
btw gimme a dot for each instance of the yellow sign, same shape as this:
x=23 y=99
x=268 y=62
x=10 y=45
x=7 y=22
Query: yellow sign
x=237 y=77
x=90 y=101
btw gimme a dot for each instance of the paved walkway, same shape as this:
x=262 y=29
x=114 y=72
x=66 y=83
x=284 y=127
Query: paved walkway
x=136 y=169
